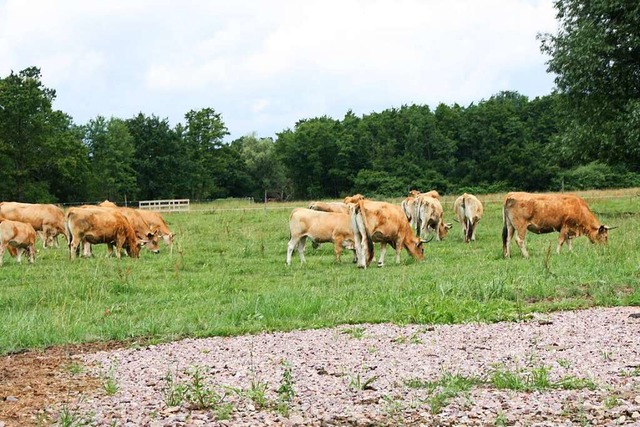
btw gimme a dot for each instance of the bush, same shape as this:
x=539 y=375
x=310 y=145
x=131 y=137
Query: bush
x=596 y=175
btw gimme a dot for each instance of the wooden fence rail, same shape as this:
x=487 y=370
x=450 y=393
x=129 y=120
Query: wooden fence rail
x=173 y=205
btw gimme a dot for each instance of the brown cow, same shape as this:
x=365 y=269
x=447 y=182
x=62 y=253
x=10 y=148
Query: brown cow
x=410 y=206
x=141 y=227
x=468 y=210
x=17 y=237
x=47 y=219
x=546 y=213
x=320 y=227
x=430 y=217
x=337 y=207
x=159 y=225
x=94 y=225
x=384 y=223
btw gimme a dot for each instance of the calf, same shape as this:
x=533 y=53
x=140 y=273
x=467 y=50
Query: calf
x=17 y=237
x=320 y=227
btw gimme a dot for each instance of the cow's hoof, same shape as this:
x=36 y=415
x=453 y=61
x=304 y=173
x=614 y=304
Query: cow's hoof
x=380 y=264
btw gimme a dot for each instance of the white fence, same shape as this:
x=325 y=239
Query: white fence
x=173 y=205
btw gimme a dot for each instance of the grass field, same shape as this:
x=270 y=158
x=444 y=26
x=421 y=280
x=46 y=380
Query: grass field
x=227 y=276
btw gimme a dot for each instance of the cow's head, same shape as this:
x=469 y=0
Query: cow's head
x=601 y=235
x=444 y=229
x=150 y=241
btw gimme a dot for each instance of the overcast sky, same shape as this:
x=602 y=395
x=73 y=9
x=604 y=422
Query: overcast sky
x=264 y=64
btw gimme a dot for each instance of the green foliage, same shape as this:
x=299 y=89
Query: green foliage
x=595 y=56
x=596 y=175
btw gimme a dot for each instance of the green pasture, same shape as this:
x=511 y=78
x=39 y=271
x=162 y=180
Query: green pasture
x=227 y=276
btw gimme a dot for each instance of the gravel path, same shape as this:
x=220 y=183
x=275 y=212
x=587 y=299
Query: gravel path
x=382 y=375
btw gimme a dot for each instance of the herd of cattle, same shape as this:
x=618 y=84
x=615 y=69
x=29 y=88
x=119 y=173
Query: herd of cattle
x=358 y=223
x=121 y=227
x=355 y=224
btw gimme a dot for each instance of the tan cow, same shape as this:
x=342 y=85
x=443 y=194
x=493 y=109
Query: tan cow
x=410 y=206
x=320 y=227
x=546 y=213
x=94 y=225
x=468 y=210
x=158 y=224
x=337 y=207
x=141 y=227
x=430 y=217
x=154 y=219
x=17 y=237
x=47 y=219
x=385 y=223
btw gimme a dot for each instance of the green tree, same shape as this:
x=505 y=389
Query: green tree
x=112 y=155
x=41 y=154
x=160 y=160
x=203 y=140
x=596 y=59
x=264 y=168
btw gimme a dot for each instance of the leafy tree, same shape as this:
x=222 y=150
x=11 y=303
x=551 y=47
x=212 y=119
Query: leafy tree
x=160 y=158
x=596 y=58
x=41 y=154
x=112 y=156
x=203 y=139
x=262 y=165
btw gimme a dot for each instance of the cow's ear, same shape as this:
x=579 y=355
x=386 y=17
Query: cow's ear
x=150 y=235
x=604 y=228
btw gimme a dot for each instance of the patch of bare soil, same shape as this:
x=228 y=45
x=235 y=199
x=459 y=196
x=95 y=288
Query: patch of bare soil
x=34 y=382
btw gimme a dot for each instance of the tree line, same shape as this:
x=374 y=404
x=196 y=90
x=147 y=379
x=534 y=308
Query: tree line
x=586 y=134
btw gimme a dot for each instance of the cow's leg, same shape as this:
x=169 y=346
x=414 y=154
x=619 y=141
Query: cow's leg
x=19 y=254
x=337 y=247
x=507 y=235
x=86 y=249
x=360 y=239
x=32 y=253
x=398 y=247
x=1 y=253
x=520 y=236
x=73 y=245
x=290 y=247
x=564 y=236
x=383 y=252
x=301 y=245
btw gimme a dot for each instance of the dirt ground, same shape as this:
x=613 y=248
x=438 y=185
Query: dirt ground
x=31 y=381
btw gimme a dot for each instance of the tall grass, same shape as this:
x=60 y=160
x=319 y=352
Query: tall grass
x=227 y=275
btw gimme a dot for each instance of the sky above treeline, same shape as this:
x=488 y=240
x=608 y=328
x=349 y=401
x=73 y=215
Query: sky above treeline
x=264 y=65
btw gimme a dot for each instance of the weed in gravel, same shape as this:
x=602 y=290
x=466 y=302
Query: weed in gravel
x=449 y=386
x=257 y=393
x=199 y=395
x=564 y=363
x=536 y=378
x=286 y=392
x=173 y=392
x=355 y=332
x=501 y=420
x=109 y=383
x=75 y=368
x=393 y=408
x=72 y=418
x=611 y=402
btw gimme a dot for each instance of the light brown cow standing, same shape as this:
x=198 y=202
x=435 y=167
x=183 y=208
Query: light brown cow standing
x=48 y=219
x=94 y=225
x=337 y=207
x=141 y=227
x=17 y=237
x=320 y=227
x=385 y=223
x=545 y=213
x=468 y=210
x=154 y=219
x=430 y=217
x=411 y=204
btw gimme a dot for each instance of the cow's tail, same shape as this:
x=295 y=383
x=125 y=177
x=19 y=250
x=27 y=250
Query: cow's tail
x=68 y=232
x=360 y=220
x=505 y=231
x=468 y=221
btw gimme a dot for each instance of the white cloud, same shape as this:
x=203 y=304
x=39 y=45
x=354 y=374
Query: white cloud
x=264 y=65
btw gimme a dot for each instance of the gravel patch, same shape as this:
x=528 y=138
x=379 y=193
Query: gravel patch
x=382 y=374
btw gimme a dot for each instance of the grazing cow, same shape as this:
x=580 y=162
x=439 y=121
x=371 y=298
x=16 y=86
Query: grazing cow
x=468 y=210
x=94 y=225
x=159 y=225
x=337 y=207
x=17 y=237
x=430 y=217
x=410 y=206
x=353 y=199
x=320 y=227
x=546 y=213
x=384 y=223
x=46 y=219
x=141 y=227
